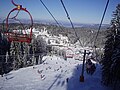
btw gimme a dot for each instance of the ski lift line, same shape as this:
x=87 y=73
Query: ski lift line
x=101 y=21
x=106 y=6
x=53 y=17
x=70 y=22
x=50 y=13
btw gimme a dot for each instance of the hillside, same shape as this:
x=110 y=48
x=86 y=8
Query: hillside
x=86 y=32
x=52 y=75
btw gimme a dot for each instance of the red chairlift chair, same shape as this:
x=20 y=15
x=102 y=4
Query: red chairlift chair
x=15 y=36
x=69 y=53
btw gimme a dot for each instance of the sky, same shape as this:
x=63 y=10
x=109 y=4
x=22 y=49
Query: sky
x=80 y=11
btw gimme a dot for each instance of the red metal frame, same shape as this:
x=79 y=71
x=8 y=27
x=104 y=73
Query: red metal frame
x=12 y=36
x=69 y=55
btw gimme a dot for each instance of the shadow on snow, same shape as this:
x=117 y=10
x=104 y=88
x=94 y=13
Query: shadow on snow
x=91 y=82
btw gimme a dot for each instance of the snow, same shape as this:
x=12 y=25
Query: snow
x=52 y=75
x=55 y=73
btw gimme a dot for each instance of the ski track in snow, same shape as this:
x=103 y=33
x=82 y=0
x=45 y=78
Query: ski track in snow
x=52 y=75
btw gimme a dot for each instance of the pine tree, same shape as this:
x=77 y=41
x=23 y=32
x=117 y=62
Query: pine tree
x=106 y=62
x=115 y=67
x=111 y=59
x=4 y=48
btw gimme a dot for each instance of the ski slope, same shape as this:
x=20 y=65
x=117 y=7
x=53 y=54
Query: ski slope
x=52 y=75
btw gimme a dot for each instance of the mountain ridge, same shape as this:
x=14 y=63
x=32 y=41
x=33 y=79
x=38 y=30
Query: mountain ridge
x=62 y=23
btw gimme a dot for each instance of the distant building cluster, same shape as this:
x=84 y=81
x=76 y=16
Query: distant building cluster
x=60 y=44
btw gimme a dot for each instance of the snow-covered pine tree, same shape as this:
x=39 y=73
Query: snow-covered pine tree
x=115 y=67
x=111 y=59
x=40 y=49
x=4 y=48
x=106 y=62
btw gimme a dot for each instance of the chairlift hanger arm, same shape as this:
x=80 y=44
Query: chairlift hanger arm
x=71 y=22
x=20 y=23
x=14 y=3
x=18 y=9
x=15 y=15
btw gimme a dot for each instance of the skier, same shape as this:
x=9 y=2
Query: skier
x=90 y=67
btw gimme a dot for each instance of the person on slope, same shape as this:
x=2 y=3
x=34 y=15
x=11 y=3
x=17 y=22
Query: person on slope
x=90 y=67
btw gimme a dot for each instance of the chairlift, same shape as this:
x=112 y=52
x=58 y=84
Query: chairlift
x=78 y=55
x=17 y=36
x=69 y=53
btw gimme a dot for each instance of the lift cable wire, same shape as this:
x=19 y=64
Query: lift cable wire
x=94 y=43
x=50 y=14
x=94 y=38
x=71 y=22
x=53 y=17
x=101 y=23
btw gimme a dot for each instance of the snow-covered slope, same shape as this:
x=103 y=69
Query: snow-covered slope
x=52 y=75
